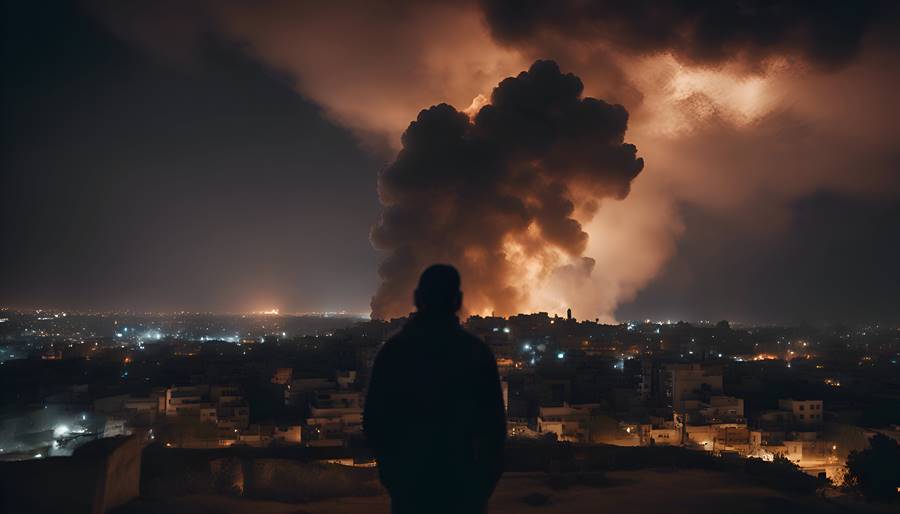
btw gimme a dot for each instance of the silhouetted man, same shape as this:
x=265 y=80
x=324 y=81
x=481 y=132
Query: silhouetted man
x=434 y=411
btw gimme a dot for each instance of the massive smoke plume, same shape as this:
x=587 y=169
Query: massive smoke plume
x=497 y=193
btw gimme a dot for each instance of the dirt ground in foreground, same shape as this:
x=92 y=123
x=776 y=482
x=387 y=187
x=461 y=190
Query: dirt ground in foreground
x=668 y=491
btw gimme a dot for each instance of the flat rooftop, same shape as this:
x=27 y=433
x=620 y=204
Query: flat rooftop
x=662 y=490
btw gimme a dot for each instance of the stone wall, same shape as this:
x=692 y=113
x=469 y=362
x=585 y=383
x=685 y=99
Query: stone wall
x=98 y=477
x=169 y=473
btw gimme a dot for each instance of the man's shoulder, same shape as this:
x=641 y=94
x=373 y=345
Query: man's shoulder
x=479 y=347
x=404 y=341
x=471 y=338
x=398 y=344
x=394 y=343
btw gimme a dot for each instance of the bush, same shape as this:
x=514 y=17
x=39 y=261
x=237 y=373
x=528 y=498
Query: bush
x=875 y=471
x=783 y=475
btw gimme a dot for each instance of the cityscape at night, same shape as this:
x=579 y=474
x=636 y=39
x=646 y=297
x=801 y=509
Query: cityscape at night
x=295 y=384
x=447 y=257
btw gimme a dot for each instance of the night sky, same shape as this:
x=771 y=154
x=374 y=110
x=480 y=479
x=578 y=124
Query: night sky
x=130 y=182
x=229 y=158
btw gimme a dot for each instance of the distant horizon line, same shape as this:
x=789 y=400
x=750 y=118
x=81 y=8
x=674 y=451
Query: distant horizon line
x=98 y=312
x=342 y=312
x=367 y=316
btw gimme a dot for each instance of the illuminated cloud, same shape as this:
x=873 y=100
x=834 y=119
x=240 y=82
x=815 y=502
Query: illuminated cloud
x=739 y=109
x=494 y=196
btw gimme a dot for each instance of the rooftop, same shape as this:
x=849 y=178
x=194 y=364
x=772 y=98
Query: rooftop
x=619 y=492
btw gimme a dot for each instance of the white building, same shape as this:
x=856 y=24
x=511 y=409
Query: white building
x=686 y=381
x=570 y=422
x=288 y=434
x=185 y=398
x=804 y=412
x=723 y=408
x=300 y=390
x=715 y=424
x=335 y=415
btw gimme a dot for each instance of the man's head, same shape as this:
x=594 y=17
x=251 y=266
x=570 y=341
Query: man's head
x=438 y=291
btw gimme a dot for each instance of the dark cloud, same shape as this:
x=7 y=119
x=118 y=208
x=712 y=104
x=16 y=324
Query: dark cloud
x=835 y=262
x=825 y=33
x=461 y=191
x=127 y=183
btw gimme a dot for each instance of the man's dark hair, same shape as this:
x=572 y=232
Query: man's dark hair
x=438 y=290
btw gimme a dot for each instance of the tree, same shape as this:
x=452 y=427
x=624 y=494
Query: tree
x=784 y=463
x=875 y=471
x=782 y=474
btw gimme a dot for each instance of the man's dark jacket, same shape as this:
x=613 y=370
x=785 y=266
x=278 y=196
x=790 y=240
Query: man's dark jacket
x=434 y=413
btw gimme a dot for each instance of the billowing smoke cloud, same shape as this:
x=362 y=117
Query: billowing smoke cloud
x=825 y=33
x=740 y=109
x=496 y=196
x=356 y=59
